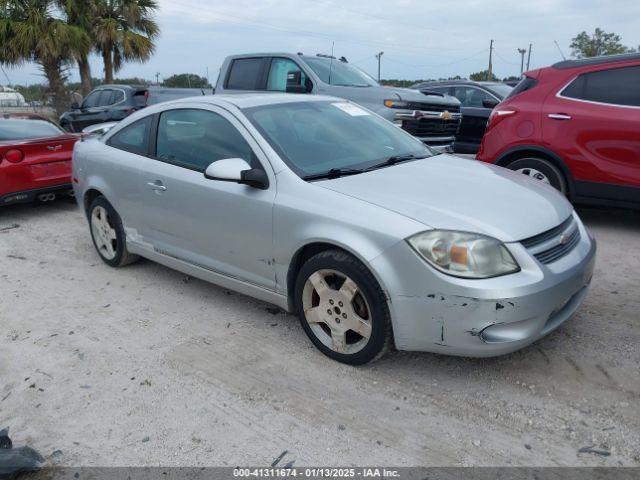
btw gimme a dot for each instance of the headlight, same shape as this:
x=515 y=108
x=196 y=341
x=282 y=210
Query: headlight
x=461 y=254
x=396 y=104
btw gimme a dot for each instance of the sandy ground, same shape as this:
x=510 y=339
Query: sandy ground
x=144 y=366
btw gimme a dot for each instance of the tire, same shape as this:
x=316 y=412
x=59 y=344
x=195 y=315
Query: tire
x=323 y=287
x=106 y=230
x=542 y=170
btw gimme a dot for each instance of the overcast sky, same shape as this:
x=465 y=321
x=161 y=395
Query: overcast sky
x=420 y=38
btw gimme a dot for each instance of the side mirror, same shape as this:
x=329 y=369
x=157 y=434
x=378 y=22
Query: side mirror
x=237 y=170
x=294 y=83
x=75 y=106
x=490 y=103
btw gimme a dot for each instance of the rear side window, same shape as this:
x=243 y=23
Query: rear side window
x=194 y=139
x=618 y=86
x=244 y=74
x=133 y=138
x=527 y=83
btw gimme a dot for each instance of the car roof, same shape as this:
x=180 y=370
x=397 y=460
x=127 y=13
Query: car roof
x=248 y=100
x=604 y=59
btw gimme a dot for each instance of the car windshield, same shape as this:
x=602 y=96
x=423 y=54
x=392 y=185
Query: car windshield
x=502 y=90
x=317 y=137
x=14 y=129
x=337 y=72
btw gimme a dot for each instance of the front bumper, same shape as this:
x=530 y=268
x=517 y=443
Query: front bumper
x=482 y=318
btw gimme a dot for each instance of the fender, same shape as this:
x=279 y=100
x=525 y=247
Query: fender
x=513 y=153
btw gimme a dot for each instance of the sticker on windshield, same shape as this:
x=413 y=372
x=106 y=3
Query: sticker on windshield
x=351 y=109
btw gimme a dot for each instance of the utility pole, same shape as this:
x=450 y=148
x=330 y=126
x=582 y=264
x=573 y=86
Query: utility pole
x=158 y=78
x=522 y=51
x=379 y=58
x=490 y=71
x=529 y=56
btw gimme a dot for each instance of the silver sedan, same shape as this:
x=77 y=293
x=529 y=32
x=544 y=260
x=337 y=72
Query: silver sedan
x=324 y=209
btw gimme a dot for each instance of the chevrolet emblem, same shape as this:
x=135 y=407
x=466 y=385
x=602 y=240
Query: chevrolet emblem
x=446 y=115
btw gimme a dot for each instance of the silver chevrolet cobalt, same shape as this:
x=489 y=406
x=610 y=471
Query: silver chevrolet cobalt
x=325 y=209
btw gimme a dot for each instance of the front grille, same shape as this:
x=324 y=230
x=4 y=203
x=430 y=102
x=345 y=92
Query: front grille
x=429 y=107
x=554 y=244
x=425 y=127
x=549 y=234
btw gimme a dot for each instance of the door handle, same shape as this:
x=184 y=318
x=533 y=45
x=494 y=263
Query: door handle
x=559 y=116
x=54 y=148
x=157 y=186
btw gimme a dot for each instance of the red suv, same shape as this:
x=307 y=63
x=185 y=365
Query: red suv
x=576 y=126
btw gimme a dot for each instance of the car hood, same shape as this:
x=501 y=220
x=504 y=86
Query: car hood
x=448 y=192
x=409 y=95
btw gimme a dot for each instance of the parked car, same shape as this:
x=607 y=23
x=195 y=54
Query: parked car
x=112 y=103
x=35 y=159
x=433 y=118
x=576 y=126
x=477 y=99
x=325 y=209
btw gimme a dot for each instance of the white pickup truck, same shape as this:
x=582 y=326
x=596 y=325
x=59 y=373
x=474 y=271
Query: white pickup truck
x=432 y=117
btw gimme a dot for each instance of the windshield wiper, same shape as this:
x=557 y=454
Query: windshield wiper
x=334 y=173
x=395 y=159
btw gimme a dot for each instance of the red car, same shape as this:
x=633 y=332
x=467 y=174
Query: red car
x=35 y=159
x=575 y=125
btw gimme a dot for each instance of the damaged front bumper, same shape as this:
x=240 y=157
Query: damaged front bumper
x=482 y=318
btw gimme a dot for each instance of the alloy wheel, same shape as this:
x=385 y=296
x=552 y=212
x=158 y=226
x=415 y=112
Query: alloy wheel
x=104 y=234
x=536 y=174
x=337 y=311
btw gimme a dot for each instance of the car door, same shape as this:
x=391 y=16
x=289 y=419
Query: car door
x=120 y=165
x=474 y=114
x=94 y=109
x=221 y=226
x=594 y=124
x=87 y=109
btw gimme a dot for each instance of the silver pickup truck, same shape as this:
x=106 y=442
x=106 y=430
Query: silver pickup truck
x=433 y=118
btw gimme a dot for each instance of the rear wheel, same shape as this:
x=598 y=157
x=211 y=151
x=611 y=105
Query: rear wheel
x=342 y=308
x=108 y=234
x=541 y=170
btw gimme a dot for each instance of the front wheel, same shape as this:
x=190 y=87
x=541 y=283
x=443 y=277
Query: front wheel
x=541 y=170
x=342 y=308
x=108 y=234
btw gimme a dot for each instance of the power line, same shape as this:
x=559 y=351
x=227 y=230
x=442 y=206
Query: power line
x=239 y=20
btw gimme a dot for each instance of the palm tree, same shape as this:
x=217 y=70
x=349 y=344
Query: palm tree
x=30 y=31
x=82 y=14
x=123 y=31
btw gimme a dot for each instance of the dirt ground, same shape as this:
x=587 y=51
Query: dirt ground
x=144 y=366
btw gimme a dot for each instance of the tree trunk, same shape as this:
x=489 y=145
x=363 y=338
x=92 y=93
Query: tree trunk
x=53 y=71
x=85 y=74
x=107 y=58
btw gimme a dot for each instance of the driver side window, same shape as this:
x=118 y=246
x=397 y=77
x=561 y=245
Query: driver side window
x=471 y=97
x=91 y=100
x=278 y=73
x=194 y=139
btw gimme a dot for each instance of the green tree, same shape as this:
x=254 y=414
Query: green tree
x=599 y=43
x=186 y=80
x=483 y=76
x=32 y=31
x=123 y=31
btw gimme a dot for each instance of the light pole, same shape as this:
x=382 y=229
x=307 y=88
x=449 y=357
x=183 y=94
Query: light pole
x=522 y=51
x=379 y=58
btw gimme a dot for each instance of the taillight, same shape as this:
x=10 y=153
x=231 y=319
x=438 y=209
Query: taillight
x=14 y=155
x=499 y=114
